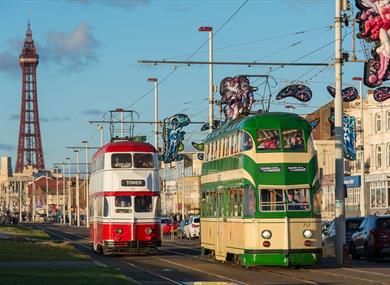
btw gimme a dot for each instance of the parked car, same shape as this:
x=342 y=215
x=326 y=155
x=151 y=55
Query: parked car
x=168 y=225
x=372 y=238
x=329 y=236
x=192 y=230
x=181 y=229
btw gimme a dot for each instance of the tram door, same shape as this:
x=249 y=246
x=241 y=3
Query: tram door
x=219 y=226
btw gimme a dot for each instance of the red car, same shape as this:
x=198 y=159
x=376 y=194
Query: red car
x=168 y=225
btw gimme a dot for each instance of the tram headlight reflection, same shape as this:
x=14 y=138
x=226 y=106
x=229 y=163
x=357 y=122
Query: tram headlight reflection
x=266 y=234
x=307 y=233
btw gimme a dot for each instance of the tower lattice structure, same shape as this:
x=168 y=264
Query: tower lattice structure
x=30 y=152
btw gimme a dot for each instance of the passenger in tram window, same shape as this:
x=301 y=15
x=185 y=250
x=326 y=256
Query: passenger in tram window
x=293 y=203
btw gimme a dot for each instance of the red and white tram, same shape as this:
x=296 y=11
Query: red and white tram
x=124 y=202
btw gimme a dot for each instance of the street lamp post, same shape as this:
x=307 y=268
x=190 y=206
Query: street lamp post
x=362 y=178
x=47 y=196
x=20 y=200
x=101 y=130
x=155 y=81
x=69 y=194
x=211 y=99
x=63 y=194
x=339 y=136
x=86 y=185
x=77 y=187
x=56 y=168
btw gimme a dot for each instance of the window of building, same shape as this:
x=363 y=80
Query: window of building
x=378 y=122
x=378 y=193
x=293 y=140
x=388 y=120
x=247 y=142
x=317 y=201
x=378 y=156
x=359 y=161
x=121 y=160
x=143 y=160
x=388 y=155
x=143 y=204
x=358 y=124
x=268 y=139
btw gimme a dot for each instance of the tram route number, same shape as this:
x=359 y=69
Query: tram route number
x=133 y=182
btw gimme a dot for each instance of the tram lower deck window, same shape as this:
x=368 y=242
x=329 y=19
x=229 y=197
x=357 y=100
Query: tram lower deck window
x=122 y=204
x=280 y=200
x=143 y=204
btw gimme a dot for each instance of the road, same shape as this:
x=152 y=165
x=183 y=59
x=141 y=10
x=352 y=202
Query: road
x=179 y=262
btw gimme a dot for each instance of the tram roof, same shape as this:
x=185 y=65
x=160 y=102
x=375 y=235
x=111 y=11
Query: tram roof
x=125 y=146
x=268 y=120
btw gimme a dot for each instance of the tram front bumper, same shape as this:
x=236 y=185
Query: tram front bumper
x=297 y=257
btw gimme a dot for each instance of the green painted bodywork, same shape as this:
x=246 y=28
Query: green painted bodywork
x=280 y=259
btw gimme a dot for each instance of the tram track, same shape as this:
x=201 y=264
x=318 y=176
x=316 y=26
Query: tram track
x=174 y=252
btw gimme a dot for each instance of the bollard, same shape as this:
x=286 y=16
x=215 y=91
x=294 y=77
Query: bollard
x=345 y=256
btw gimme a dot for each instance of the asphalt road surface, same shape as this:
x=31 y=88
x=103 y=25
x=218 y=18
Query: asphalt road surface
x=179 y=262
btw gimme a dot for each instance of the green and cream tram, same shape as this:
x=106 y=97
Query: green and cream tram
x=261 y=192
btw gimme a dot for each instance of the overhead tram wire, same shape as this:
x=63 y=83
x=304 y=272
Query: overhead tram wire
x=255 y=41
x=194 y=53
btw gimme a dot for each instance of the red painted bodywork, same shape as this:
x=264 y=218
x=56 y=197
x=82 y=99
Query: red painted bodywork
x=126 y=146
x=130 y=232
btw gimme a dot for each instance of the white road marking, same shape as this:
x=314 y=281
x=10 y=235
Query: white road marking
x=368 y=272
x=155 y=274
x=202 y=271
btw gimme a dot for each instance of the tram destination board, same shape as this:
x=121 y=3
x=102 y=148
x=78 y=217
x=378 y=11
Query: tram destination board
x=133 y=182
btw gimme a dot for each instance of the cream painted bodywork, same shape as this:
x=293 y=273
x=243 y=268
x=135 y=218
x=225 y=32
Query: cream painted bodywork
x=237 y=235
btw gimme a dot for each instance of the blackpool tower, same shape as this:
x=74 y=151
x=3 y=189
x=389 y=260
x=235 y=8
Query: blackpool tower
x=30 y=152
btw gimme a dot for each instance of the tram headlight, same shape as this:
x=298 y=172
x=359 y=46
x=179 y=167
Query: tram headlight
x=266 y=234
x=148 y=231
x=119 y=231
x=307 y=233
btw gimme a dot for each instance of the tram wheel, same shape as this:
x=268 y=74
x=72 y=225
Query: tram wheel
x=236 y=259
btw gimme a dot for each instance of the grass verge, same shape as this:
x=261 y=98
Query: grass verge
x=87 y=276
x=24 y=232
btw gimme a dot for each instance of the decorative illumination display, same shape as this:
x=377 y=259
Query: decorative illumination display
x=349 y=94
x=173 y=137
x=237 y=96
x=298 y=91
x=374 y=24
x=349 y=136
x=382 y=94
x=314 y=123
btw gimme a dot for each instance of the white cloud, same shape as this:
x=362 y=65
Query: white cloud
x=126 y=4
x=73 y=50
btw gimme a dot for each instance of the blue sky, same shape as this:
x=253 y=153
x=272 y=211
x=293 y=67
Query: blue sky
x=89 y=51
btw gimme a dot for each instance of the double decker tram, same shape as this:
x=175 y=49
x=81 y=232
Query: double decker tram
x=261 y=192
x=124 y=203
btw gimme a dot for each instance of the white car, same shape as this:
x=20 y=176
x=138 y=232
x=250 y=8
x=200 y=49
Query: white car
x=192 y=230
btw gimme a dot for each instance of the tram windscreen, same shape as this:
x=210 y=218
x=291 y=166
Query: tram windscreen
x=143 y=204
x=280 y=200
x=293 y=140
x=298 y=199
x=121 y=160
x=143 y=160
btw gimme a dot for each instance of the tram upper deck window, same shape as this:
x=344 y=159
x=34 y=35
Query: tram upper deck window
x=293 y=140
x=121 y=203
x=143 y=160
x=246 y=142
x=121 y=160
x=143 y=204
x=298 y=199
x=268 y=139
